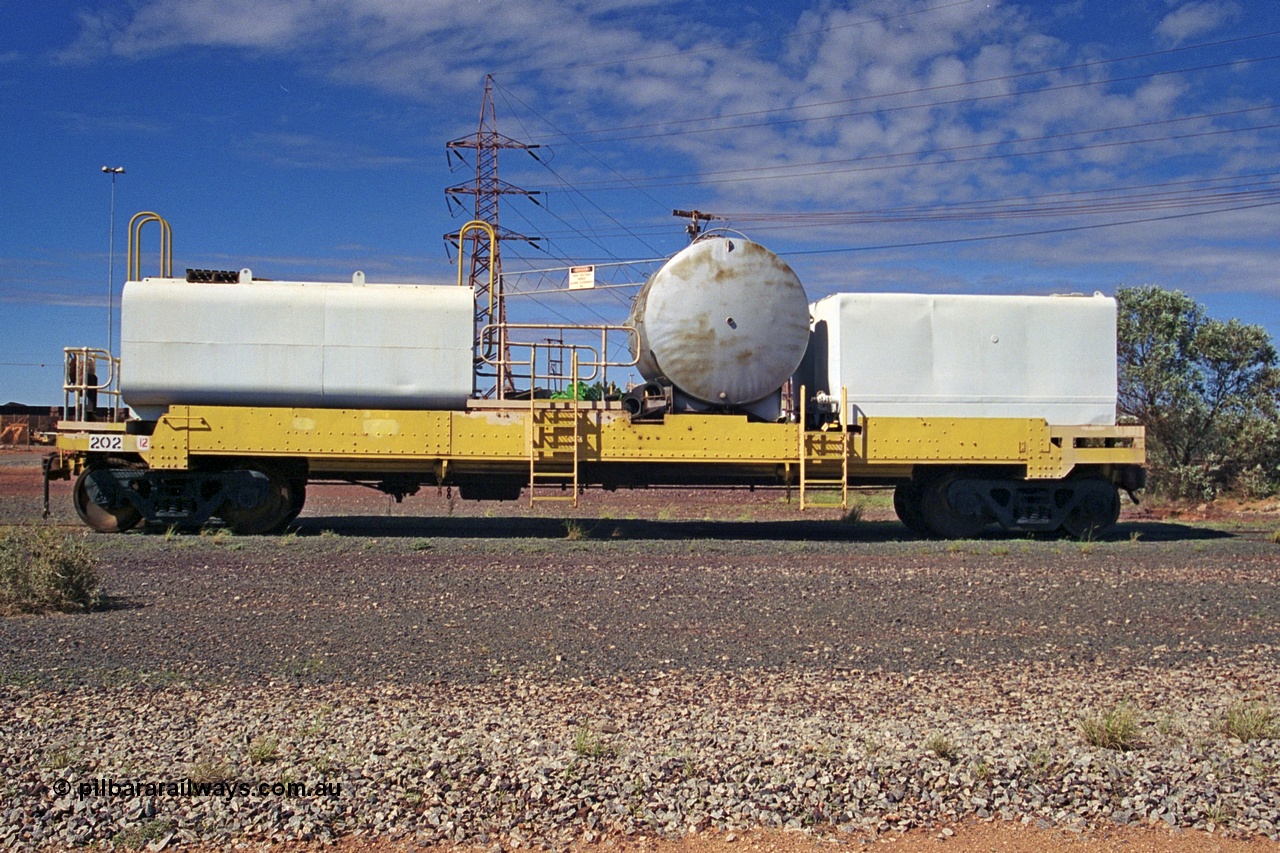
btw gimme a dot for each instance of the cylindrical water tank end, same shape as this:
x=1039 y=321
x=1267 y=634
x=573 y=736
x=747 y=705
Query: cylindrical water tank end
x=726 y=321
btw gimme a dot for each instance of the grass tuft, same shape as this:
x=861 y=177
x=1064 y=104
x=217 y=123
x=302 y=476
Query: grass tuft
x=941 y=746
x=1116 y=729
x=1218 y=813
x=42 y=571
x=207 y=771
x=137 y=837
x=1251 y=721
x=264 y=750
x=588 y=744
x=1039 y=762
x=575 y=530
x=61 y=759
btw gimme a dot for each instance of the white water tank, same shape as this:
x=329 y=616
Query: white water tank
x=295 y=344
x=969 y=356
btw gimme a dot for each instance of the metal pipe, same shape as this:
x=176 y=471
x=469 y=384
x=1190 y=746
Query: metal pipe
x=111 y=257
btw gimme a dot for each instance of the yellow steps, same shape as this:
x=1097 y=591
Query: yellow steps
x=822 y=448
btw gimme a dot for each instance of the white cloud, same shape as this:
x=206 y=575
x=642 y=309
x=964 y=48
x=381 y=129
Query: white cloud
x=886 y=71
x=298 y=150
x=1195 y=19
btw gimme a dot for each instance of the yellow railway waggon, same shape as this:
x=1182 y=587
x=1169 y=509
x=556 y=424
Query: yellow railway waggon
x=978 y=410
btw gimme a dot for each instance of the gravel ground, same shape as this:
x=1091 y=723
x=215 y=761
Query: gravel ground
x=489 y=681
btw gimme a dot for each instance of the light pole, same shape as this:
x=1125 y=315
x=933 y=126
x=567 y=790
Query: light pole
x=111 y=257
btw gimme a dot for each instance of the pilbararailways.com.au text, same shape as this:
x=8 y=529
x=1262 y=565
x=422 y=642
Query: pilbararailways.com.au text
x=130 y=788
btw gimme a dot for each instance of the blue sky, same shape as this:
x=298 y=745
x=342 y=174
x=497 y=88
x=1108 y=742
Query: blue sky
x=876 y=145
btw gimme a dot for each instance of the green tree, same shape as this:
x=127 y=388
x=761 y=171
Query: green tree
x=1205 y=389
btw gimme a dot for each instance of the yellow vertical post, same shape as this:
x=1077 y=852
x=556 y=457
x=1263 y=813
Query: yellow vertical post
x=577 y=423
x=803 y=449
x=844 y=447
x=531 y=428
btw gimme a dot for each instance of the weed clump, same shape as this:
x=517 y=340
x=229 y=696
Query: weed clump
x=587 y=744
x=1116 y=729
x=264 y=750
x=42 y=571
x=206 y=771
x=941 y=746
x=138 y=837
x=1251 y=721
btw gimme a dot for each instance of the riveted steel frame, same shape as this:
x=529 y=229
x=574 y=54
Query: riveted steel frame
x=495 y=438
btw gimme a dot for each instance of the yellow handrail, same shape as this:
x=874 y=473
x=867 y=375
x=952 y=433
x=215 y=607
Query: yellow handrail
x=493 y=239
x=135 y=245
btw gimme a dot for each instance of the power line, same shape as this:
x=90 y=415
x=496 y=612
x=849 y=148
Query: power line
x=1188 y=188
x=920 y=90
x=1038 y=233
x=958 y=160
x=1002 y=209
x=561 y=180
x=548 y=122
x=701 y=178
x=550 y=291
x=879 y=111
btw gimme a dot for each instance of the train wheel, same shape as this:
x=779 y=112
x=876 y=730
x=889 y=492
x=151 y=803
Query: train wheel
x=944 y=520
x=298 y=488
x=262 y=506
x=1096 y=510
x=906 y=503
x=101 y=503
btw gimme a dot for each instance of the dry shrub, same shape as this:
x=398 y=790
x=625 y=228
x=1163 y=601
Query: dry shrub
x=42 y=570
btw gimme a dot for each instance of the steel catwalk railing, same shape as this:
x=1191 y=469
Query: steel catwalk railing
x=81 y=383
x=597 y=366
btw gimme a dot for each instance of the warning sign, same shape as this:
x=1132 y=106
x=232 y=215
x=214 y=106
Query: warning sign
x=582 y=278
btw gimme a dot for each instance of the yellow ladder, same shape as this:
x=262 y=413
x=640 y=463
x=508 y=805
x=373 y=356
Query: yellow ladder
x=822 y=447
x=548 y=432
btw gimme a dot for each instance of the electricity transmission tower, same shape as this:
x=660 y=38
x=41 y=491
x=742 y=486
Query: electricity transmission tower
x=485 y=259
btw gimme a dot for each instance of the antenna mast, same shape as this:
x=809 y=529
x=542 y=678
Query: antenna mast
x=486 y=190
